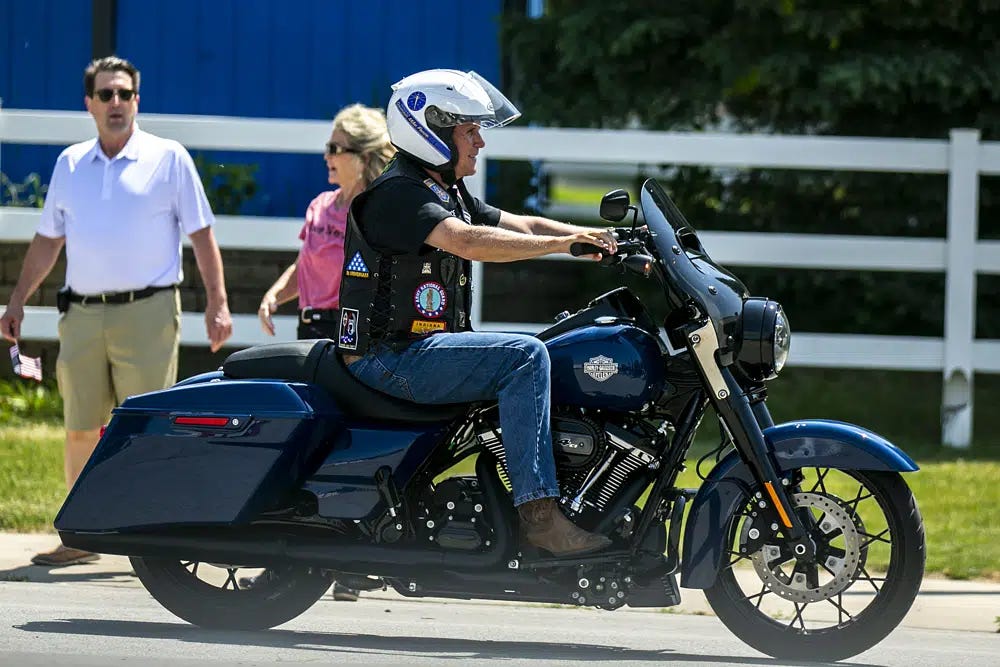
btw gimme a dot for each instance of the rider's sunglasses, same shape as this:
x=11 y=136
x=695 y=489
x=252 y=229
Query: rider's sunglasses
x=336 y=149
x=105 y=94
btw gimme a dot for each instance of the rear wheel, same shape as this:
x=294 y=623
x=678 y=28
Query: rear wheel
x=231 y=597
x=870 y=556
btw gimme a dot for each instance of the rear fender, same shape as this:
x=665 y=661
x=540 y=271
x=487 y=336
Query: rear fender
x=799 y=444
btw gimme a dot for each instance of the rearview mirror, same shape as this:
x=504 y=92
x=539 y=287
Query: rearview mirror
x=614 y=205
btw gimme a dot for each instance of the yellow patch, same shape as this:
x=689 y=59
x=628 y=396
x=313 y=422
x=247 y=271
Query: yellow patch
x=426 y=326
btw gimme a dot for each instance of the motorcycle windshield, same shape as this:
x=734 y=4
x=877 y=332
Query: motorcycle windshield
x=691 y=275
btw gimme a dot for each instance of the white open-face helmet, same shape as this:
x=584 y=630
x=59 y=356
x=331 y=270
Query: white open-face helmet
x=425 y=106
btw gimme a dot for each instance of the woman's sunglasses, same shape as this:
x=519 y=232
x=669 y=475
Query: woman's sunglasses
x=337 y=149
x=105 y=94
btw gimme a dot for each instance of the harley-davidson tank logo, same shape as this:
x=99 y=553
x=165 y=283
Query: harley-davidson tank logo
x=601 y=368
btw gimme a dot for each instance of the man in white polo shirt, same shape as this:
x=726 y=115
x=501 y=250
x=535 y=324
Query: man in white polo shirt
x=119 y=203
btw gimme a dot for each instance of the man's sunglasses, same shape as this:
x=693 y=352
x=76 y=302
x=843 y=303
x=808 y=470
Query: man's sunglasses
x=337 y=149
x=105 y=94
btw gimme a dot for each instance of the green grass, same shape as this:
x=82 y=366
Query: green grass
x=25 y=400
x=957 y=497
x=31 y=475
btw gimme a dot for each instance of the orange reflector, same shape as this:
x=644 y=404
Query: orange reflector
x=781 y=510
x=201 y=421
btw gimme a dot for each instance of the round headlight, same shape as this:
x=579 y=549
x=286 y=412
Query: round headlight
x=764 y=339
x=782 y=340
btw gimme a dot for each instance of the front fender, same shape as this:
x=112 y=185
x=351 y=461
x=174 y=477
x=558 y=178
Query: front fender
x=806 y=443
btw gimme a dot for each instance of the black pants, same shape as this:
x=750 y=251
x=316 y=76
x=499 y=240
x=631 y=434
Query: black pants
x=319 y=329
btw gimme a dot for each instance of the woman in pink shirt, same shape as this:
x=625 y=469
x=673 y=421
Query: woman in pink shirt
x=356 y=153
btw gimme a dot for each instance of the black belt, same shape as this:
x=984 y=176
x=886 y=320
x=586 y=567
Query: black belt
x=310 y=315
x=118 y=297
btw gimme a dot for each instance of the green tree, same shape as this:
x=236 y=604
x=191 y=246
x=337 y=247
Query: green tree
x=881 y=68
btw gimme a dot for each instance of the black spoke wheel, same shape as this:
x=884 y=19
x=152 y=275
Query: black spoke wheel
x=231 y=597
x=869 y=563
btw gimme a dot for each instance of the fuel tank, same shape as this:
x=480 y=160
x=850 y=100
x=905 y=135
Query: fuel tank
x=613 y=366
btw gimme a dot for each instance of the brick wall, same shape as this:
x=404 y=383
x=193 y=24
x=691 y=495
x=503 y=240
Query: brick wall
x=248 y=275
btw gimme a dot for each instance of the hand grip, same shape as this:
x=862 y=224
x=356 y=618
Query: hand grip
x=577 y=249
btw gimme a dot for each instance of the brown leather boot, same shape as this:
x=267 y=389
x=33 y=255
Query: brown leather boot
x=547 y=528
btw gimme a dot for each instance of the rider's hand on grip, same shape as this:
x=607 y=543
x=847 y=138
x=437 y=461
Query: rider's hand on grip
x=577 y=249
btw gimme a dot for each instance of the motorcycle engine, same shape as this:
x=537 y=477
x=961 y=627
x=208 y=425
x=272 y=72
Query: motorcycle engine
x=593 y=459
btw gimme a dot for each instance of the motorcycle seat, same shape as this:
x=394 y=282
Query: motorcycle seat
x=317 y=362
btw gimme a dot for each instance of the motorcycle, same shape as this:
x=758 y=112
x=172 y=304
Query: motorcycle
x=804 y=536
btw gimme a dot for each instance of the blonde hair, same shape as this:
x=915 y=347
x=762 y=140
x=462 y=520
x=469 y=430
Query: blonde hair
x=366 y=133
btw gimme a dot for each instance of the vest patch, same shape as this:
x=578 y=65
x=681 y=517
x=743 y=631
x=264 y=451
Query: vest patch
x=348 y=336
x=430 y=300
x=427 y=326
x=437 y=189
x=357 y=268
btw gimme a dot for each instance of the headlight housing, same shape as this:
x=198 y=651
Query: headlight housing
x=765 y=338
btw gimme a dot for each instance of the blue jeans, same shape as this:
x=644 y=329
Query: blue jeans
x=477 y=366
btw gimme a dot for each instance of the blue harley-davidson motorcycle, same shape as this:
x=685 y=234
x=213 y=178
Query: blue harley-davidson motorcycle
x=804 y=536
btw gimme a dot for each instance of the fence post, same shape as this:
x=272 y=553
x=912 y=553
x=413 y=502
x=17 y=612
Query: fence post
x=477 y=188
x=960 y=288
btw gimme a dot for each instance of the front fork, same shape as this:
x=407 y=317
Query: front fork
x=746 y=421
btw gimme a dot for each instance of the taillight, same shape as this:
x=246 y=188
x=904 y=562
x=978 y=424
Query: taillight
x=103 y=429
x=202 y=421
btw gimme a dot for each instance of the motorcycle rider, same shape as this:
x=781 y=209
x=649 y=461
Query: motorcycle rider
x=406 y=288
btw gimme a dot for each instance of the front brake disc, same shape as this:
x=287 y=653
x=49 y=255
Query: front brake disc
x=777 y=570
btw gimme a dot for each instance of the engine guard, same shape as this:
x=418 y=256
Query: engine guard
x=805 y=443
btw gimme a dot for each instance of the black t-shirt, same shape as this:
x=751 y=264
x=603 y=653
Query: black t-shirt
x=399 y=214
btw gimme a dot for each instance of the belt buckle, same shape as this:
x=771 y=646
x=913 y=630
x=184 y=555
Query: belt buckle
x=306 y=315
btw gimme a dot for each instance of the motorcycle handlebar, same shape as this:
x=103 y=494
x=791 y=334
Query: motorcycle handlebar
x=577 y=249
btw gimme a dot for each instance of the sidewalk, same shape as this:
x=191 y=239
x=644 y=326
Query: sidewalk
x=942 y=604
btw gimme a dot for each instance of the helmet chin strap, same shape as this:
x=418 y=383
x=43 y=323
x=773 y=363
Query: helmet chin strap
x=447 y=170
x=448 y=174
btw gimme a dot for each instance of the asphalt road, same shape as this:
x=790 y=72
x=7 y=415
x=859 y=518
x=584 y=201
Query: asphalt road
x=114 y=622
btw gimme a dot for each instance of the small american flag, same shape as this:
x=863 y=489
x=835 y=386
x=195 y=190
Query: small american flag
x=26 y=367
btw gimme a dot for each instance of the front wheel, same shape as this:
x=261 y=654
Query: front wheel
x=869 y=562
x=230 y=597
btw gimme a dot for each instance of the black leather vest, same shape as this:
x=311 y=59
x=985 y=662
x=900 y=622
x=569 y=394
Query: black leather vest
x=398 y=298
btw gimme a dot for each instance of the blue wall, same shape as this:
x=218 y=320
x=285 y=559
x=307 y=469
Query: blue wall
x=44 y=46
x=259 y=58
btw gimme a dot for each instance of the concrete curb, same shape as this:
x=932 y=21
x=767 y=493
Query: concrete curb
x=942 y=604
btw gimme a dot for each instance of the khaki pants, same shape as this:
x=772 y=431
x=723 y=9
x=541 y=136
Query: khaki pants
x=108 y=352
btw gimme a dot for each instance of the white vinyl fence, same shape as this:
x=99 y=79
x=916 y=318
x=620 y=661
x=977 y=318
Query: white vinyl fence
x=961 y=256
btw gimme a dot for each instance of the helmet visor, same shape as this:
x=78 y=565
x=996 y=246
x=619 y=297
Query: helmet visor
x=503 y=111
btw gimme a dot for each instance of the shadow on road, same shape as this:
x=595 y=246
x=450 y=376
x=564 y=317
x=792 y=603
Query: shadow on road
x=48 y=575
x=441 y=648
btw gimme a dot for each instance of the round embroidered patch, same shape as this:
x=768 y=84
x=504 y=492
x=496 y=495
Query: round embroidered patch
x=430 y=299
x=416 y=101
